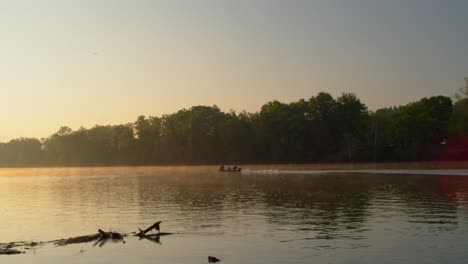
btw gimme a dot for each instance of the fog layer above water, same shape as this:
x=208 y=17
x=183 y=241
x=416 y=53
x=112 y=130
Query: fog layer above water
x=251 y=217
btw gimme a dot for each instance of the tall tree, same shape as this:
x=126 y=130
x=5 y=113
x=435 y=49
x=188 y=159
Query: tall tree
x=321 y=129
x=463 y=91
x=353 y=125
x=420 y=127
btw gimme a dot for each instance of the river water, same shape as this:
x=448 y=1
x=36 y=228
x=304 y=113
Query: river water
x=258 y=216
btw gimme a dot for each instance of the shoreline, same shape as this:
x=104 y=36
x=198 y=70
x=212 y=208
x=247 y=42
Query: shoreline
x=441 y=165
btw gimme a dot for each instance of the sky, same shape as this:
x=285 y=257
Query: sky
x=82 y=63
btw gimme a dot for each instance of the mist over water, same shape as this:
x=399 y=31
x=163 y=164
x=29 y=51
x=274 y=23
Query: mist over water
x=288 y=216
x=376 y=171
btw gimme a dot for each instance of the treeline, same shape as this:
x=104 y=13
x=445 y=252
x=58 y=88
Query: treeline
x=321 y=129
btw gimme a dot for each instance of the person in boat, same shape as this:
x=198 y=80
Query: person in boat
x=222 y=167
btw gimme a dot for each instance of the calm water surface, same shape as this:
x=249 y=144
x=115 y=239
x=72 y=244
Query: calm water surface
x=253 y=217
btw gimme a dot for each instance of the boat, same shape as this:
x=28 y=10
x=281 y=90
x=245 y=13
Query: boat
x=231 y=170
x=235 y=169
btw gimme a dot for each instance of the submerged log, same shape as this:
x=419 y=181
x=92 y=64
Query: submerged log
x=142 y=234
x=103 y=233
x=115 y=235
x=100 y=236
x=100 y=239
x=14 y=248
x=10 y=251
x=153 y=226
x=77 y=240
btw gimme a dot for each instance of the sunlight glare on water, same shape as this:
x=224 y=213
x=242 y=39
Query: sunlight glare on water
x=239 y=217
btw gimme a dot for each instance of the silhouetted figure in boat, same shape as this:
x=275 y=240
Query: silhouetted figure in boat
x=229 y=169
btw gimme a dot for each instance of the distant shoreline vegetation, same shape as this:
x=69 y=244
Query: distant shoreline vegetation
x=320 y=129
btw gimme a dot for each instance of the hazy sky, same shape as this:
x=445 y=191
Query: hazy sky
x=81 y=63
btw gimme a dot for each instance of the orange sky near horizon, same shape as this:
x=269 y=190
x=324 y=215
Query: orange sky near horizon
x=81 y=63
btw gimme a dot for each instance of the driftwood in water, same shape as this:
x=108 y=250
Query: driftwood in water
x=14 y=248
x=99 y=237
x=103 y=234
x=153 y=226
x=10 y=249
x=142 y=234
x=112 y=235
x=77 y=240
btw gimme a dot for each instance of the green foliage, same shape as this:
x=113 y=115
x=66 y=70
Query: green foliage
x=21 y=152
x=463 y=92
x=459 y=123
x=382 y=134
x=353 y=125
x=321 y=129
x=420 y=127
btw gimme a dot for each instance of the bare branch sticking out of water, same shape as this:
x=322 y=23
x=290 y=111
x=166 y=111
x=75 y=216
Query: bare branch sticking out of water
x=100 y=239
x=143 y=233
x=153 y=226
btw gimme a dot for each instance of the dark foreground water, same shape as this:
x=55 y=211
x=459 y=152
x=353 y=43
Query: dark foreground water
x=253 y=217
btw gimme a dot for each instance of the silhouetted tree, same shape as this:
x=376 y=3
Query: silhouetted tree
x=459 y=122
x=321 y=129
x=463 y=91
x=421 y=126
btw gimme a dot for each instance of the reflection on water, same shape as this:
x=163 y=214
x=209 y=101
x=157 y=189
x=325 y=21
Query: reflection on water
x=249 y=218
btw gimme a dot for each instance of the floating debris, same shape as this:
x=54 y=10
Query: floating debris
x=10 y=251
x=153 y=226
x=14 y=248
x=212 y=259
x=99 y=238
x=77 y=240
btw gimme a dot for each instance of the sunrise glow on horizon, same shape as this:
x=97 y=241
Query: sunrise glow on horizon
x=81 y=63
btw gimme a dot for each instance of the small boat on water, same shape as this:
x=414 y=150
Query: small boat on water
x=233 y=169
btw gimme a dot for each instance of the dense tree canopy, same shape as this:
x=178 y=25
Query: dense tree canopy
x=320 y=129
